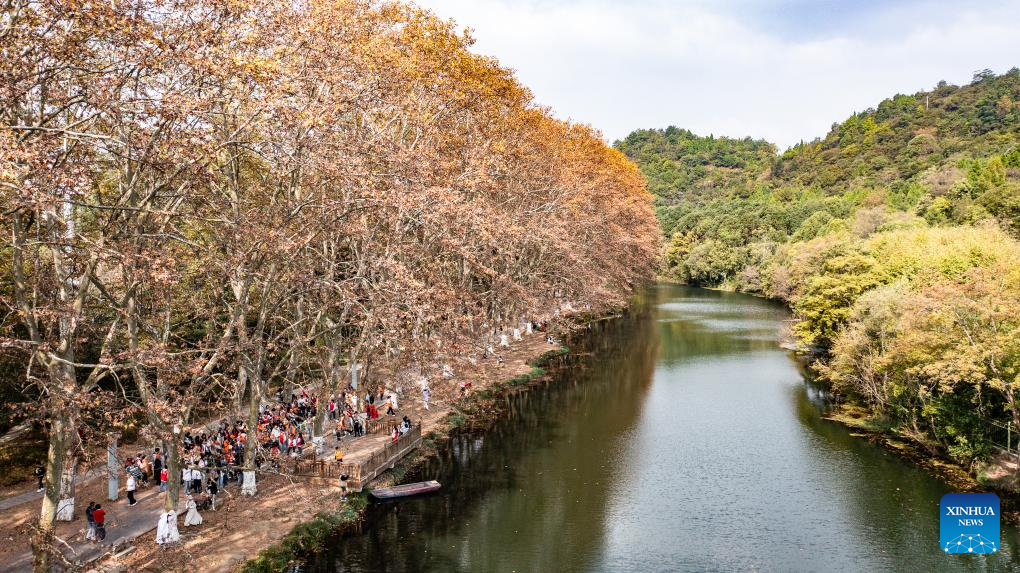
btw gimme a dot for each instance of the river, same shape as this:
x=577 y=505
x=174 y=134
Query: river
x=680 y=438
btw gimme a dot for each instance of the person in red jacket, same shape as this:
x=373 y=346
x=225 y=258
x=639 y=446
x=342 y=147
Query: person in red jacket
x=99 y=516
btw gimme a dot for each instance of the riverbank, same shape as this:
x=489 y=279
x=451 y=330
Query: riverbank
x=291 y=515
x=477 y=412
x=999 y=475
x=466 y=413
x=996 y=476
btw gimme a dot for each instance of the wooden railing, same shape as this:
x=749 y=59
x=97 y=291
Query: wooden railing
x=360 y=474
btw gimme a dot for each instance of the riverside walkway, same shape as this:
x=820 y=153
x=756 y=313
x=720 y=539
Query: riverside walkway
x=366 y=458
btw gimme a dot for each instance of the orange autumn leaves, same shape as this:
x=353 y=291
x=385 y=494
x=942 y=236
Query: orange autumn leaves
x=202 y=199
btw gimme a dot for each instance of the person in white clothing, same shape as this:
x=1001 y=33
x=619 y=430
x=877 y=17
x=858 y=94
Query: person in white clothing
x=131 y=485
x=192 y=517
x=166 y=529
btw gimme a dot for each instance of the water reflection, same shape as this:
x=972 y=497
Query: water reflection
x=686 y=441
x=530 y=494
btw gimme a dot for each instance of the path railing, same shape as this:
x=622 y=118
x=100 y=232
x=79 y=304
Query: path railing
x=361 y=473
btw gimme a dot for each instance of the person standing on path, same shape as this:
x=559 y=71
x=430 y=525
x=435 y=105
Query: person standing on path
x=90 y=533
x=213 y=490
x=358 y=423
x=145 y=467
x=196 y=481
x=40 y=474
x=157 y=469
x=163 y=476
x=99 y=516
x=425 y=397
x=132 y=483
x=193 y=517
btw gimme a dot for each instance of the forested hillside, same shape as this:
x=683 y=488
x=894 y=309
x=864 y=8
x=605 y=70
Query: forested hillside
x=681 y=166
x=893 y=238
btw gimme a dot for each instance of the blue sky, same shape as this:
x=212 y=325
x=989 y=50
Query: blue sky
x=783 y=70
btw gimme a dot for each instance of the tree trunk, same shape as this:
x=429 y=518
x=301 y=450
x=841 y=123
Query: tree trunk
x=319 y=422
x=43 y=539
x=112 y=467
x=1013 y=410
x=292 y=368
x=166 y=527
x=242 y=389
x=251 y=446
x=326 y=391
x=173 y=475
x=65 y=507
x=296 y=346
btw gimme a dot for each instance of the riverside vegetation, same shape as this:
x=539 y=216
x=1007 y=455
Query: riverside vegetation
x=893 y=238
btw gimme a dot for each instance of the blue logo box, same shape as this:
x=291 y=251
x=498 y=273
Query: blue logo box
x=969 y=523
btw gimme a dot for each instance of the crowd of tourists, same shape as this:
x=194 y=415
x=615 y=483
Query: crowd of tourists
x=212 y=457
x=282 y=426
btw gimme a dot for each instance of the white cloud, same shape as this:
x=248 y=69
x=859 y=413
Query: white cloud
x=782 y=71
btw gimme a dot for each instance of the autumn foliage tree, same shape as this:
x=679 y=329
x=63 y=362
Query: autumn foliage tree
x=210 y=199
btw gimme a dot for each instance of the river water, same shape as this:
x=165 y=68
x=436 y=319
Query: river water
x=679 y=438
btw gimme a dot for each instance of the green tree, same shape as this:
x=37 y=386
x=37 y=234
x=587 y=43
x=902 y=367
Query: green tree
x=825 y=306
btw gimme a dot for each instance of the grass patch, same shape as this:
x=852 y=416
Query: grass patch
x=856 y=417
x=307 y=537
x=536 y=372
x=546 y=357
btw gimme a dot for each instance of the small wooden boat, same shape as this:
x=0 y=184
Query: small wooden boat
x=406 y=490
